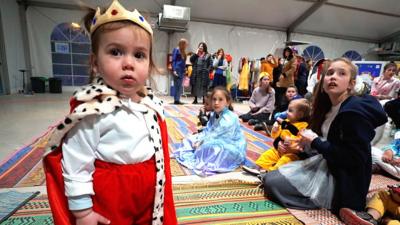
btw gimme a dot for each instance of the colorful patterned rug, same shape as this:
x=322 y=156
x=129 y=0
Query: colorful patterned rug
x=35 y=212
x=24 y=167
x=11 y=201
x=227 y=203
x=219 y=203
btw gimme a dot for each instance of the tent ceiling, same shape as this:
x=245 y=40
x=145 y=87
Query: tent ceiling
x=366 y=20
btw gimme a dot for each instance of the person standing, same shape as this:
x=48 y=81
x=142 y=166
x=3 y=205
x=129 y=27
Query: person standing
x=220 y=65
x=179 y=68
x=108 y=160
x=200 y=79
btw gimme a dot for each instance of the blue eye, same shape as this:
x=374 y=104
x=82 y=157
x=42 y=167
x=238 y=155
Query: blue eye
x=115 y=52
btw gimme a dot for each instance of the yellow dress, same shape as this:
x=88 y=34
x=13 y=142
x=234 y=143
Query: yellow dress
x=244 y=77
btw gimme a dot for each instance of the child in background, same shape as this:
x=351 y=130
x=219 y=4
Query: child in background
x=204 y=112
x=287 y=130
x=221 y=146
x=388 y=157
x=114 y=166
x=384 y=207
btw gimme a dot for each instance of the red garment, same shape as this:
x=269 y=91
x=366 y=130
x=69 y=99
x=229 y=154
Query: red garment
x=59 y=203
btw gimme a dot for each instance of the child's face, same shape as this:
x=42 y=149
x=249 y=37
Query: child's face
x=290 y=93
x=219 y=101
x=293 y=113
x=207 y=104
x=337 y=81
x=390 y=72
x=123 y=59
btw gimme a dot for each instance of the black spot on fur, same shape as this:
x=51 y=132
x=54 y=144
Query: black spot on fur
x=108 y=99
x=93 y=87
x=100 y=101
x=156 y=149
x=117 y=107
x=99 y=90
x=160 y=182
x=150 y=96
x=97 y=110
x=74 y=92
x=101 y=83
x=60 y=127
x=88 y=92
x=152 y=126
x=84 y=110
x=161 y=218
x=53 y=147
x=67 y=120
x=155 y=117
x=160 y=190
x=80 y=119
x=154 y=218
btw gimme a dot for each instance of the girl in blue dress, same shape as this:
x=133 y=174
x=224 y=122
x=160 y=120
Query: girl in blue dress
x=221 y=146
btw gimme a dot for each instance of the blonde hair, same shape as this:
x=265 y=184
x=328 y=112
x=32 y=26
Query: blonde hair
x=182 y=50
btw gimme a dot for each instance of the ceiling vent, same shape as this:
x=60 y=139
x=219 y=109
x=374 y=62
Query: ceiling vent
x=174 y=18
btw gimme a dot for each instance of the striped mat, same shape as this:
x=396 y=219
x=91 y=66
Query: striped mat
x=227 y=203
x=219 y=203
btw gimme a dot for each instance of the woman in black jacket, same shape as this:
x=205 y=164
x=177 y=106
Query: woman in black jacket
x=200 y=79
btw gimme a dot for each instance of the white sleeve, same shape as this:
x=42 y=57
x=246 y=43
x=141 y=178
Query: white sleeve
x=78 y=151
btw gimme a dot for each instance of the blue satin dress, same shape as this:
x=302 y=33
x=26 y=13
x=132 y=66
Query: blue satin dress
x=222 y=146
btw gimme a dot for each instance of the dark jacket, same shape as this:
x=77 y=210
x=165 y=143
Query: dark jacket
x=348 y=150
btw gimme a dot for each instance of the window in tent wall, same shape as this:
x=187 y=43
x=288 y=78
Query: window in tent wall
x=70 y=49
x=352 y=55
x=314 y=53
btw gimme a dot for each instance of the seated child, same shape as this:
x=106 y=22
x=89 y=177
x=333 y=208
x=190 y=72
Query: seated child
x=388 y=158
x=204 y=112
x=221 y=146
x=384 y=207
x=298 y=115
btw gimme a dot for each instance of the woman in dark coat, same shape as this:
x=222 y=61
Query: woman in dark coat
x=200 y=79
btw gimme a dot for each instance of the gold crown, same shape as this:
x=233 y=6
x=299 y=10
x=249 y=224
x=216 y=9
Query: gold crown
x=116 y=12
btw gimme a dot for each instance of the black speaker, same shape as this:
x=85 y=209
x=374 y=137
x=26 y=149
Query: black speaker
x=38 y=84
x=55 y=85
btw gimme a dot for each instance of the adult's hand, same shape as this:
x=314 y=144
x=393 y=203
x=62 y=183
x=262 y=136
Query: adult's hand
x=293 y=147
x=307 y=136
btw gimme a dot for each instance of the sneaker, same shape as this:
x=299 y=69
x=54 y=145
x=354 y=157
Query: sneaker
x=351 y=217
x=252 y=122
x=251 y=171
x=258 y=127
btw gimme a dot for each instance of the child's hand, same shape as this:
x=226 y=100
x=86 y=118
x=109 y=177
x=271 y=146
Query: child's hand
x=89 y=217
x=275 y=127
x=387 y=156
x=279 y=120
x=395 y=162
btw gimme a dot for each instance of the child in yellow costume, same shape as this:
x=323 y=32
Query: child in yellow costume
x=287 y=130
x=383 y=208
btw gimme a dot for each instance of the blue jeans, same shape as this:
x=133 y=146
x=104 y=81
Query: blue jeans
x=178 y=80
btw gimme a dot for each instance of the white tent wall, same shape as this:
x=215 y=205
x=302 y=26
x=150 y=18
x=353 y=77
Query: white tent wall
x=41 y=22
x=333 y=47
x=13 y=43
x=235 y=40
